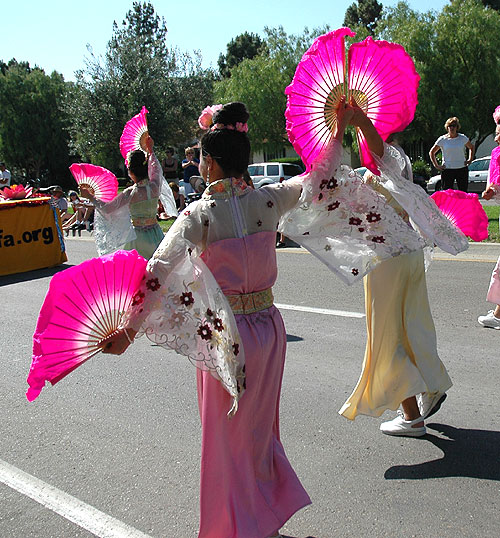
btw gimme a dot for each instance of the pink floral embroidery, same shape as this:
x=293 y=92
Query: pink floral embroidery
x=355 y=221
x=355 y=272
x=153 y=284
x=270 y=204
x=259 y=223
x=205 y=332
x=378 y=239
x=187 y=213
x=138 y=298
x=328 y=247
x=323 y=184
x=212 y=204
x=361 y=230
x=333 y=206
x=236 y=349
x=218 y=326
x=187 y=298
x=373 y=217
x=209 y=313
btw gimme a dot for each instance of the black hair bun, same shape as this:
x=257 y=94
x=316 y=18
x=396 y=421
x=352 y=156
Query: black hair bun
x=231 y=114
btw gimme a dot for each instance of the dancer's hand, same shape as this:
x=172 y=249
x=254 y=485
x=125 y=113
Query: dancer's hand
x=117 y=343
x=344 y=114
x=488 y=194
x=149 y=143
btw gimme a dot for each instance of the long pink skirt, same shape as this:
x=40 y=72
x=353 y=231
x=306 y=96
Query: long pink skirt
x=494 y=289
x=248 y=488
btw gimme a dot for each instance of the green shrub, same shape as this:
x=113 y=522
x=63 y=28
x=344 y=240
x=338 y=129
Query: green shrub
x=289 y=160
x=421 y=168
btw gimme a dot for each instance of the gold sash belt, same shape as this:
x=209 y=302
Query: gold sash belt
x=248 y=303
x=143 y=222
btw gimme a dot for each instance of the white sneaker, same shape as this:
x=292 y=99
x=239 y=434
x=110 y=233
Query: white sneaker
x=489 y=320
x=402 y=427
x=430 y=403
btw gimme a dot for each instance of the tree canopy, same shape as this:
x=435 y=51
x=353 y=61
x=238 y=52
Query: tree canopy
x=138 y=69
x=365 y=13
x=456 y=55
x=33 y=138
x=244 y=46
x=260 y=83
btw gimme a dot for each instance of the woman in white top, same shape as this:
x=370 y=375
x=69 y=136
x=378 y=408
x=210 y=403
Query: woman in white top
x=454 y=166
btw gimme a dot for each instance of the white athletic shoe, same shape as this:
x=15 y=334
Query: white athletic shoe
x=430 y=403
x=489 y=321
x=400 y=426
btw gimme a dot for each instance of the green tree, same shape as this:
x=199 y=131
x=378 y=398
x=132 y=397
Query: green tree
x=366 y=14
x=33 y=136
x=456 y=55
x=244 y=46
x=260 y=83
x=138 y=69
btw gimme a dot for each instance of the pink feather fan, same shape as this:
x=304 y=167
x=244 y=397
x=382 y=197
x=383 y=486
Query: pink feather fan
x=465 y=211
x=84 y=305
x=134 y=134
x=380 y=76
x=98 y=180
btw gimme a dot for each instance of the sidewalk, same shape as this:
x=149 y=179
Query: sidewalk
x=477 y=252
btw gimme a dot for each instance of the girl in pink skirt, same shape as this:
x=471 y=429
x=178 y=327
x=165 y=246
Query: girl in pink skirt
x=492 y=318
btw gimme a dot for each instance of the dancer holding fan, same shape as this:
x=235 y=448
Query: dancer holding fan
x=232 y=229
x=401 y=363
x=492 y=318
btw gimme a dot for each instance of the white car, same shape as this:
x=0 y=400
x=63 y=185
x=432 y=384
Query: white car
x=478 y=176
x=267 y=173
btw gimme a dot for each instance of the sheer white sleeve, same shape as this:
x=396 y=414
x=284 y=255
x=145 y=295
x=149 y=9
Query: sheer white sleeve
x=180 y=306
x=112 y=225
x=425 y=215
x=344 y=222
x=165 y=192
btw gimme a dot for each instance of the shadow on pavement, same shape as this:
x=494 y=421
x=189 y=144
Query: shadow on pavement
x=293 y=338
x=33 y=275
x=469 y=453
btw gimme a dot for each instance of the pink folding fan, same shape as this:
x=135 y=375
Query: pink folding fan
x=465 y=211
x=84 y=305
x=98 y=180
x=496 y=115
x=380 y=76
x=134 y=134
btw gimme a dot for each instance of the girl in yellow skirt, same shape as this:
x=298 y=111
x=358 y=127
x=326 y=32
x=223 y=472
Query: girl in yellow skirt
x=401 y=364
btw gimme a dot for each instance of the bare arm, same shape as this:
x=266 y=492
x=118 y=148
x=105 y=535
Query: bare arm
x=363 y=122
x=470 y=147
x=432 y=155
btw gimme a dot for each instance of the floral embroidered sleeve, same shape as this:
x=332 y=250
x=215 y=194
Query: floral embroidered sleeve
x=343 y=222
x=181 y=307
x=426 y=217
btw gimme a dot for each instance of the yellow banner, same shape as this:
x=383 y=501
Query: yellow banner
x=29 y=237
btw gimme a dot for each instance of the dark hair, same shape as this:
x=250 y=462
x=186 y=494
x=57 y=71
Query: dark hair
x=229 y=147
x=170 y=149
x=138 y=164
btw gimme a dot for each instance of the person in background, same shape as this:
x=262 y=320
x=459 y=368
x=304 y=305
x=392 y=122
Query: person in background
x=190 y=167
x=59 y=200
x=492 y=318
x=169 y=165
x=452 y=147
x=5 y=176
x=178 y=196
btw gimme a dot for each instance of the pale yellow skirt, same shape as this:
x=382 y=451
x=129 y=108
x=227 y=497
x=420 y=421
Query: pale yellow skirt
x=401 y=358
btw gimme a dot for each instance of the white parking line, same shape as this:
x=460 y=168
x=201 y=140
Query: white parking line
x=341 y=313
x=85 y=516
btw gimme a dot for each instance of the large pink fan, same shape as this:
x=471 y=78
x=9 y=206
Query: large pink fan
x=465 y=211
x=98 y=180
x=134 y=134
x=380 y=76
x=83 y=306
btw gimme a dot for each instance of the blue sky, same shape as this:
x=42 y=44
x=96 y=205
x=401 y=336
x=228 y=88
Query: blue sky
x=54 y=34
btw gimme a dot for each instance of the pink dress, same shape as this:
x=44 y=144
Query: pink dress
x=244 y=456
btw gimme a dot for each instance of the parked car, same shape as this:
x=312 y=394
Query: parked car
x=478 y=176
x=267 y=173
x=419 y=180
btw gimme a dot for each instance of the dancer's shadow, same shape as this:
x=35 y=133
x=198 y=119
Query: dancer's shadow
x=470 y=453
x=293 y=338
